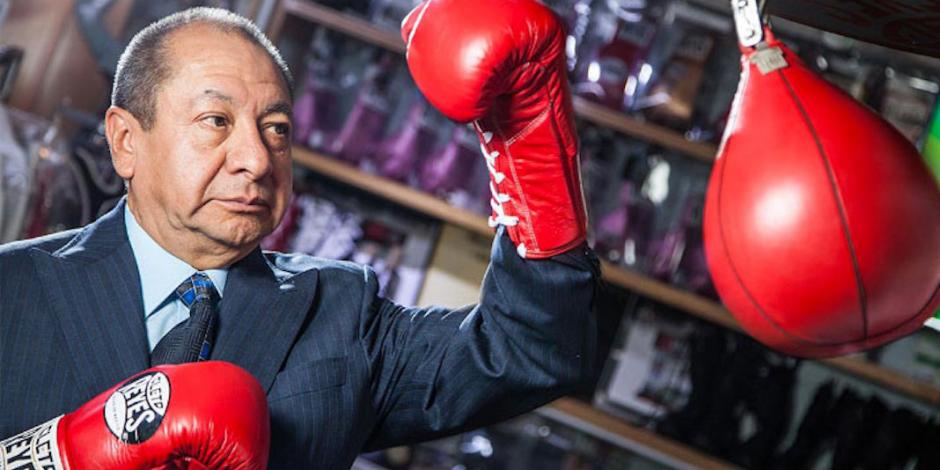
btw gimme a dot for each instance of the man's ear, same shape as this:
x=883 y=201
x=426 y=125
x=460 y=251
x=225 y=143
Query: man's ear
x=124 y=135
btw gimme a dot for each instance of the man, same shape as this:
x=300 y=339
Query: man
x=200 y=131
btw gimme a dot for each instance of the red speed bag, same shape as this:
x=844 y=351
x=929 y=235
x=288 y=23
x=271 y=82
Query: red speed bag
x=822 y=223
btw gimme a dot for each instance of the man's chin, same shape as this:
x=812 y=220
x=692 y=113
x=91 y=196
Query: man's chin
x=243 y=236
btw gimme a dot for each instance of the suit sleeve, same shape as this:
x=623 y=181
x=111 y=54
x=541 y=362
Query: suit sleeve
x=530 y=340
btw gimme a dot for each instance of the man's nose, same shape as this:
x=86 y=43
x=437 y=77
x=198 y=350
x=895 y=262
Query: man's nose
x=249 y=154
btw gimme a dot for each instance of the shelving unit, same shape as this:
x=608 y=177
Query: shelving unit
x=595 y=113
x=571 y=411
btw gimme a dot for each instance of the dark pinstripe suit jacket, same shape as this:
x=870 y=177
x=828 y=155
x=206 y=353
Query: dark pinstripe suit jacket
x=344 y=370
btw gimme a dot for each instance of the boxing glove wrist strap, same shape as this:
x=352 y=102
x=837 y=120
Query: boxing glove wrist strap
x=36 y=448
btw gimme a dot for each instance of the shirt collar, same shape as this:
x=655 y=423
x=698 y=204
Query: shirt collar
x=161 y=272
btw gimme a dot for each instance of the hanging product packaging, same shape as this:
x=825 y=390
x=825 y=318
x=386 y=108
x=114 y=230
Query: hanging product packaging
x=390 y=13
x=15 y=179
x=679 y=218
x=611 y=66
x=451 y=166
x=686 y=39
x=713 y=103
x=613 y=170
x=577 y=16
x=691 y=268
x=366 y=121
x=907 y=102
x=315 y=111
x=59 y=199
x=400 y=155
x=842 y=66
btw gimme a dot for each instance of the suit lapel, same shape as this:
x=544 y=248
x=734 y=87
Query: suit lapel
x=260 y=315
x=93 y=288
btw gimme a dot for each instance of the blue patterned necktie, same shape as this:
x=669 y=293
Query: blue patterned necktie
x=191 y=340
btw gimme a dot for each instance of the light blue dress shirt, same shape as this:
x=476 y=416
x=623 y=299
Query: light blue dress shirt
x=160 y=274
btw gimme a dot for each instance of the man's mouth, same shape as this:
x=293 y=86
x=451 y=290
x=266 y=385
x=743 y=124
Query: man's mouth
x=245 y=204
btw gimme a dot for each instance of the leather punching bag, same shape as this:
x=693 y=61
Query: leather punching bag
x=822 y=222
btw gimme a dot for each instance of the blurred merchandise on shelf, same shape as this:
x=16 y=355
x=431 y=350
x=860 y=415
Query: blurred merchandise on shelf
x=93 y=22
x=407 y=147
x=317 y=106
x=918 y=356
x=716 y=390
x=713 y=102
x=51 y=182
x=908 y=102
x=646 y=375
x=850 y=431
x=358 y=104
x=10 y=59
x=365 y=123
x=576 y=15
x=58 y=194
x=527 y=442
x=16 y=172
x=646 y=208
x=456 y=173
x=683 y=261
x=90 y=146
x=838 y=63
x=327 y=222
x=359 y=7
x=611 y=167
x=604 y=160
x=726 y=394
x=686 y=39
x=390 y=13
x=652 y=58
x=612 y=65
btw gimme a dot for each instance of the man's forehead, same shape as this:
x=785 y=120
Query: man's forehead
x=206 y=53
x=212 y=94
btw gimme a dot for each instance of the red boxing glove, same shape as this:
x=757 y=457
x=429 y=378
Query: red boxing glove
x=501 y=64
x=200 y=415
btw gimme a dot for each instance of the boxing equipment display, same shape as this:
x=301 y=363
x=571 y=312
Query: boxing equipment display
x=502 y=65
x=821 y=220
x=207 y=415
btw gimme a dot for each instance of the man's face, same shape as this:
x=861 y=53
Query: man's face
x=215 y=168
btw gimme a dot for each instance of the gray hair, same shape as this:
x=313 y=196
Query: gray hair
x=144 y=66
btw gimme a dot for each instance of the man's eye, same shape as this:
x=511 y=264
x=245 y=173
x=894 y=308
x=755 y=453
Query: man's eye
x=217 y=121
x=281 y=129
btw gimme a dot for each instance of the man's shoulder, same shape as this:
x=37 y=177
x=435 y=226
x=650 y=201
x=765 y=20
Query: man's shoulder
x=47 y=243
x=291 y=264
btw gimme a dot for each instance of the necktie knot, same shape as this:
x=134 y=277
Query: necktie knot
x=197 y=287
x=190 y=340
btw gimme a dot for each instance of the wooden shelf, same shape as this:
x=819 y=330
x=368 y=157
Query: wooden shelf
x=392 y=190
x=668 y=294
x=349 y=25
x=587 y=110
x=659 y=291
x=586 y=418
x=606 y=117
